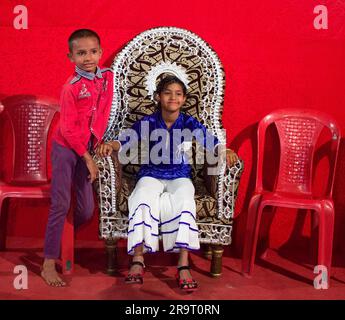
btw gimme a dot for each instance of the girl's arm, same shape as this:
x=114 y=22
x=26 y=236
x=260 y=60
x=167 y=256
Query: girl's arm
x=209 y=141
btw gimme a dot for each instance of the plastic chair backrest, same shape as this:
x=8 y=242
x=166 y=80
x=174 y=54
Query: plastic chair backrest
x=298 y=132
x=30 y=119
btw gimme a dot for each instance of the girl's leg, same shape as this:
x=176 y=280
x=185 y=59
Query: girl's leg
x=136 y=270
x=184 y=277
x=183 y=258
x=186 y=236
x=137 y=257
x=178 y=219
x=143 y=206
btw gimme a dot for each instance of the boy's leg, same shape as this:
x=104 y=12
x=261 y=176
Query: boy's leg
x=84 y=193
x=63 y=164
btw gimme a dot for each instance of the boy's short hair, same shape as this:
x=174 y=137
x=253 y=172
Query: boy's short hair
x=82 y=33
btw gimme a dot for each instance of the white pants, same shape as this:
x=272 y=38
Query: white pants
x=165 y=204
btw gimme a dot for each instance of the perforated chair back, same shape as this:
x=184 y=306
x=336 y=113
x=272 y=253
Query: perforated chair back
x=298 y=131
x=30 y=119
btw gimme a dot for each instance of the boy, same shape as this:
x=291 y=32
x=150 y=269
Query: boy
x=85 y=106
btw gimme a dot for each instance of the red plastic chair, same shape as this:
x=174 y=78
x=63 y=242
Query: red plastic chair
x=30 y=119
x=298 y=132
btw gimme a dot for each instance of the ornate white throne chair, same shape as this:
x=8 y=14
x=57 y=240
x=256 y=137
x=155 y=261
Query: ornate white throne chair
x=136 y=67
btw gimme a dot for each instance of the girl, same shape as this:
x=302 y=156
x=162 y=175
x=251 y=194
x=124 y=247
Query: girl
x=164 y=194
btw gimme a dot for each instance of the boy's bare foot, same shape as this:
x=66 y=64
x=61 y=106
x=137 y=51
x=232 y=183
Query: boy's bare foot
x=50 y=275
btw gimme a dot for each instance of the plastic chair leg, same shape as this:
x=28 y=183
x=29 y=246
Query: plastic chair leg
x=251 y=236
x=67 y=246
x=3 y=224
x=326 y=230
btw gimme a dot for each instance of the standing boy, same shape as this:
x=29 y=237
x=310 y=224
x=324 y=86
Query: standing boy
x=85 y=106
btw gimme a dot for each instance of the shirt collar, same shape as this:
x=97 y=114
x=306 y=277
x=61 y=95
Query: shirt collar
x=175 y=124
x=89 y=75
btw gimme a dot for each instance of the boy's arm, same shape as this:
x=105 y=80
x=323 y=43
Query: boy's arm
x=69 y=121
x=129 y=137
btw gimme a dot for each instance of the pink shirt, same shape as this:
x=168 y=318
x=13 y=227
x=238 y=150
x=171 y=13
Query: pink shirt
x=85 y=104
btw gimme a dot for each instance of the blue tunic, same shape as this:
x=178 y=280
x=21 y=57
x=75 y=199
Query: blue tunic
x=166 y=147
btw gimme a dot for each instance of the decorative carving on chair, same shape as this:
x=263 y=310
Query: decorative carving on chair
x=171 y=45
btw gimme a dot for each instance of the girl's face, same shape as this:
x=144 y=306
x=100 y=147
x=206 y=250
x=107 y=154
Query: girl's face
x=172 y=98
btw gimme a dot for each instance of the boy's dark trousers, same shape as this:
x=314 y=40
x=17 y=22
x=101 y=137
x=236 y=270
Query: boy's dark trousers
x=68 y=170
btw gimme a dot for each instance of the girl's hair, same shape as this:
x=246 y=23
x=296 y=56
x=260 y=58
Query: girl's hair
x=165 y=82
x=168 y=80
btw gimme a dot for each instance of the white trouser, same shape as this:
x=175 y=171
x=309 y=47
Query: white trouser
x=165 y=204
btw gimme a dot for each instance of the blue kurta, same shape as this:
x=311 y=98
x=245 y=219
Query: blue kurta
x=172 y=162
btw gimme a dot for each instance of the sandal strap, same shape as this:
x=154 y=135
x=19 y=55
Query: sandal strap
x=139 y=263
x=183 y=268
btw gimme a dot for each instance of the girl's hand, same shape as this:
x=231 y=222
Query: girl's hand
x=231 y=157
x=104 y=149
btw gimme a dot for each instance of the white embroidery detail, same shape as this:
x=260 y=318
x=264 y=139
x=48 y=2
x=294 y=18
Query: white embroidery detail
x=184 y=149
x=83 y=93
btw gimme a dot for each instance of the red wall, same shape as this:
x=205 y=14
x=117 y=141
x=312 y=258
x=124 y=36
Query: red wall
x=272 y=54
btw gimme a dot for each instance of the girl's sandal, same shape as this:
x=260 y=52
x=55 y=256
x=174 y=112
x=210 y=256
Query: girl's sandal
x=135 y=278
x=187 y=285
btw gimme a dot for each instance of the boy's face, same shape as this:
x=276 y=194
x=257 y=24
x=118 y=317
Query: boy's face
x=86 y=53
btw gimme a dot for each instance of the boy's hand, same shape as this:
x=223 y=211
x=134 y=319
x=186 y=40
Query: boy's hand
x=231 y=157
x=93 y=169
x=91 y=165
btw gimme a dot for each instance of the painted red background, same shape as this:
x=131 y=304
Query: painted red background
x=272 y=55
